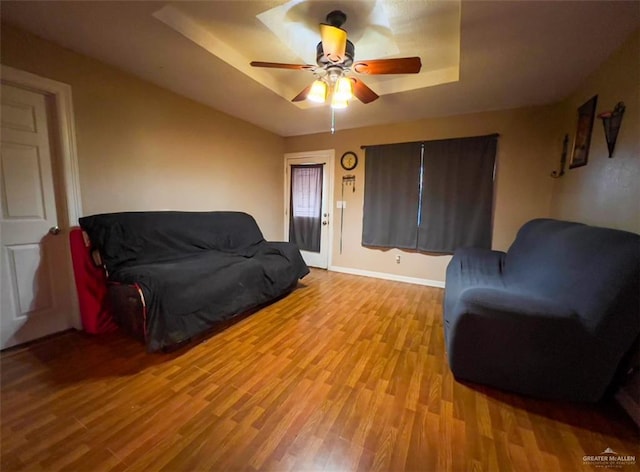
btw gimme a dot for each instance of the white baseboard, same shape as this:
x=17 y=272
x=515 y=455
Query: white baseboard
x=386 y=276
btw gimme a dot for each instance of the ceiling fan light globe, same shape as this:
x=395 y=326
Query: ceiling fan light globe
x=337 y=103
x=318 y=92
x=343 y=90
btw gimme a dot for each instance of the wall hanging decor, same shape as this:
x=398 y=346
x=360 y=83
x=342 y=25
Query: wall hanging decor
x=582 y=141
x=611 y=121
x=563 y=158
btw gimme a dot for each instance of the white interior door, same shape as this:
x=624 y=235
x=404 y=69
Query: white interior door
x=35 y=296
x=319 y=258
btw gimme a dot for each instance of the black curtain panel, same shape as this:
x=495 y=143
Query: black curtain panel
x=305 y=218
x=457 y=193
x=392 y=184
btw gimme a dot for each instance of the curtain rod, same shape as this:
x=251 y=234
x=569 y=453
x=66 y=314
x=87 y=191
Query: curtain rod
x=497 y=135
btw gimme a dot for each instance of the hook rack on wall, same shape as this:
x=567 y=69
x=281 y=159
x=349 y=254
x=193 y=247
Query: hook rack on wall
x=347 y=180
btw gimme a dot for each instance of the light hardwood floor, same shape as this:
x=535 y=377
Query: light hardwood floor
x=346 y=373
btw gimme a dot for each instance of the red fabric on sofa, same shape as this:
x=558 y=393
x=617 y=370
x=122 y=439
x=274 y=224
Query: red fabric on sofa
x=91 y=285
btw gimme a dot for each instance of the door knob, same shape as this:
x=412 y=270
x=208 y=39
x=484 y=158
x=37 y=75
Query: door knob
x=325 y=223
x=54 y=230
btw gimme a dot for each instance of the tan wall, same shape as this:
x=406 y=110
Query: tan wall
x=141 y=147
x=526 y=155
x=605 y=192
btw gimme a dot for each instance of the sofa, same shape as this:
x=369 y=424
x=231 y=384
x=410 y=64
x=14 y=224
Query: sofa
x=172 y=276
x=552 y=318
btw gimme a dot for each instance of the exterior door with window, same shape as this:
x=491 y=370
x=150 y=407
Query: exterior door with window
x=308 y=183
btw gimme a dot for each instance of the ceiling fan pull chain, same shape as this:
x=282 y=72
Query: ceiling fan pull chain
x=333 y=121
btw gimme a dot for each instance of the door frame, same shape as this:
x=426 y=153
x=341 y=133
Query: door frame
x=329 y=156
x=65 y=162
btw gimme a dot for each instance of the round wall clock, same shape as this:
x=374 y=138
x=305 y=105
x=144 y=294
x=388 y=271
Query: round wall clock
x=349 y=160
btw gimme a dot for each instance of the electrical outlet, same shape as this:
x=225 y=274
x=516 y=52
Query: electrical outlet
x=398 y=259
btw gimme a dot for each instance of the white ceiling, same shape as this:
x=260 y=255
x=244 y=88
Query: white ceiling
x=476 y=55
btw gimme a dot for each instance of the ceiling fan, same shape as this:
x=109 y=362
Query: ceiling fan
x=334 y=58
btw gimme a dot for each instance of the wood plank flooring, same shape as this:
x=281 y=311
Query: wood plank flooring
x=345 y=374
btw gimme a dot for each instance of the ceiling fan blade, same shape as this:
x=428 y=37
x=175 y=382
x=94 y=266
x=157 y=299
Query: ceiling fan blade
x=302 y=95
x=362 y=92
x=401 y=65
x=334 y=42
x=278 y=65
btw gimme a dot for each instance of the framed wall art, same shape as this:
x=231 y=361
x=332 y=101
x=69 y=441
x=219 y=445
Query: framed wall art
x=582 y=141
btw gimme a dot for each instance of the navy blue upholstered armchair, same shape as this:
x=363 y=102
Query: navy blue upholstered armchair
x=550 y=318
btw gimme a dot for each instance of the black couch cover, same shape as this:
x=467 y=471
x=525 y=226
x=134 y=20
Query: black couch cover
x=194 y=268
x=552 y=318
